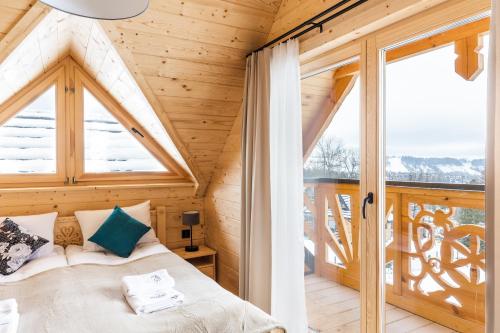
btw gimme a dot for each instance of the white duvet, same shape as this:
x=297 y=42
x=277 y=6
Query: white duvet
x=89 y=299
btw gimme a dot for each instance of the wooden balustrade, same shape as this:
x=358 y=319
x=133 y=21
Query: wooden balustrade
x=435 y=261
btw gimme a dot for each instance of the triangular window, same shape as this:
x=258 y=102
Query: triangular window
x=28 y=140
x=108 y=146
x=65 y=129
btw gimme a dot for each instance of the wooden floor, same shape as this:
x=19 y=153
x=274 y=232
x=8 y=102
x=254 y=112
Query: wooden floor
x=334 y=308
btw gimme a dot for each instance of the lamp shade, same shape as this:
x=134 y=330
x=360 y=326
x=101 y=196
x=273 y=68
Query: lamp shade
x=100 y=9
x=191 y=217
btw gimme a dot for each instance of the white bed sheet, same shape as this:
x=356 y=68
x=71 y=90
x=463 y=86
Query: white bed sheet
x=48 y=262
x=76 y=255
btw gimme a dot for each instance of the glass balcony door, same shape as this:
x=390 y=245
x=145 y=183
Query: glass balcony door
x=432 y=211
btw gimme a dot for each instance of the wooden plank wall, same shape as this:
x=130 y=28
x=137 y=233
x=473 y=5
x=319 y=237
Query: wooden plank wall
x=222 y=205
x=66 y=201
x=191 y=55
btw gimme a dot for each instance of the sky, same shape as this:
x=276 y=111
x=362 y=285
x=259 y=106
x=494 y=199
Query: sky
x=430 y=110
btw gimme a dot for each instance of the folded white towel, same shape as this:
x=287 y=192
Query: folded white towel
x=9 y=317
x=12 y=326
x=146 y=284
x=155 y=302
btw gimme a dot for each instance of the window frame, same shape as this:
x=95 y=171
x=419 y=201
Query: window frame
x=16 y=104
x=70 y=79
x=83 y=81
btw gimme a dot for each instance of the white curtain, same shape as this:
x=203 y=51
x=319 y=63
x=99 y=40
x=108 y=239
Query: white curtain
x=493 y=178
x=272 y=249
x=287 y=188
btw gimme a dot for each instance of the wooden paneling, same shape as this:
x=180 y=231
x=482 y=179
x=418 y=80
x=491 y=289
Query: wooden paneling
x=11 y=12
x=223 y=201
x=59 y=34
x=191 y=54
x=367 y=18
x=66 y=201
x=187 y=57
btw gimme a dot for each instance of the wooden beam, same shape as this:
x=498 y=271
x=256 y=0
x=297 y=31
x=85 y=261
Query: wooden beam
x=435 y=41
x=470 y=62
x=460 y=34
x=365 y=19
x=347 y=70
x=22 y=28
x=341 y=87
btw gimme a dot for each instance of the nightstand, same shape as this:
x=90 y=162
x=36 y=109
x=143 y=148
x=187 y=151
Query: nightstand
x=203 y=259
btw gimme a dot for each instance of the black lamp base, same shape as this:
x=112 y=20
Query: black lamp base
x=191 y=248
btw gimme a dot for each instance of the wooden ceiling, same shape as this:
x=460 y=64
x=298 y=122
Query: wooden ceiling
x=189 y=59
x=12 y=11
x=191 y=54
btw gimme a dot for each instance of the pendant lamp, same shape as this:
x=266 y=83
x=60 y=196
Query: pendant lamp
x=100 y=9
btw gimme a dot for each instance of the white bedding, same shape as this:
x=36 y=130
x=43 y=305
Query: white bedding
x=76 y=255
x=48 y=262
x=89 y=299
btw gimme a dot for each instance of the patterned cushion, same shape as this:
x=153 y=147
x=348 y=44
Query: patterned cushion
x=17 y=245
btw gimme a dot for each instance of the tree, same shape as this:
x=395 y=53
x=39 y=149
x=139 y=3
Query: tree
x=331 y=159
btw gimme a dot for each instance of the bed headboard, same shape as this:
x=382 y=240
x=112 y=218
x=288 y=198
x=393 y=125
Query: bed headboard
x=67 y=229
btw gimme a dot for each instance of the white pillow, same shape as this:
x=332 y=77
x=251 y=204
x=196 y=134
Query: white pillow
x=41 y=225
x=91 y=220
x=77 y=256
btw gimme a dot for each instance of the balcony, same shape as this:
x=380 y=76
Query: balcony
x=435 y=255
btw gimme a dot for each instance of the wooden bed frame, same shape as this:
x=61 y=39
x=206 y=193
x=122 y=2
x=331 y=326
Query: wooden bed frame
x=67 y=229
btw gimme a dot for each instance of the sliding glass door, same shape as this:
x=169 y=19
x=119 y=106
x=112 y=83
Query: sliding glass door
x=394 y=142
x=432 y=107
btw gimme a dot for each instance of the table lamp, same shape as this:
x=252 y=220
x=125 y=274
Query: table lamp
x=191 y=218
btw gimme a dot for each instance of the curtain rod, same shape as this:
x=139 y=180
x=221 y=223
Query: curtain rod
x=312 y=24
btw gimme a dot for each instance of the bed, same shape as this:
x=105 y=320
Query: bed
x=87 y=297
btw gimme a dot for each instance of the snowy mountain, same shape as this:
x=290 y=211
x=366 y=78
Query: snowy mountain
x=452 y=170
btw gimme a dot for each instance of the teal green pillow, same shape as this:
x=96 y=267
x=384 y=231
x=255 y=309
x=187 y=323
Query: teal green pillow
x=119 y=233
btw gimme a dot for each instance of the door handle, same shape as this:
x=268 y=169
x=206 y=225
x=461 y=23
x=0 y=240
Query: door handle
x=367 y=199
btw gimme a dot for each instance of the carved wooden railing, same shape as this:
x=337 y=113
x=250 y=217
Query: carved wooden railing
x=435 y=264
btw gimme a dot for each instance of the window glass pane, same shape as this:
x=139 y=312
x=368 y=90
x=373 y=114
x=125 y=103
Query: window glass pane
x=336 y=155
x=332 y=202
x=435 y=122
x=437 y=135
x=28 y=140
x=109 y=147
